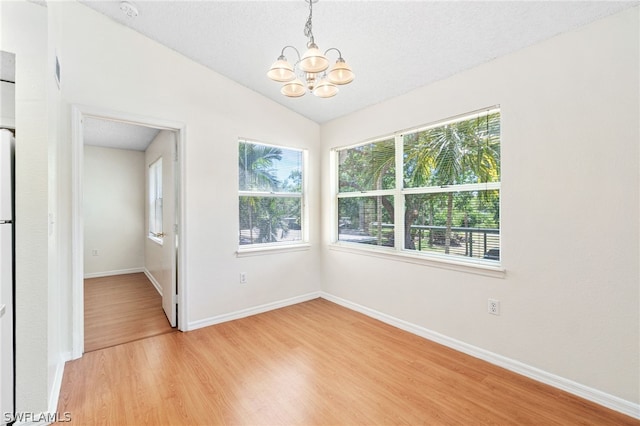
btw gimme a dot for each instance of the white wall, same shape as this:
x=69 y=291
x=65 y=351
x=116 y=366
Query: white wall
x=107 y=65
x=24 y=32
x=570 y=186
x=114 y=218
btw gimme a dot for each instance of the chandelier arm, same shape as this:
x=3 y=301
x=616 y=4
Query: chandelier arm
x=293 y=47
x=333 y=48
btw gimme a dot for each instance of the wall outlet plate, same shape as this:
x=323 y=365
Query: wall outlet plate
x=493 y=307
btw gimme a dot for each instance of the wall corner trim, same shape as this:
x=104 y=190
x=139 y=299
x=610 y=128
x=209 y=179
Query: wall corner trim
x=602 y=398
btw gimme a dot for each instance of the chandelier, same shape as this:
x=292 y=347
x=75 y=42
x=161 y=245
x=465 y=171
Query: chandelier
x=310 y=68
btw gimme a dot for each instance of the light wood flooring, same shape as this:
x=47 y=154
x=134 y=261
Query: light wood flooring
x=121 y=309
x=314 y=363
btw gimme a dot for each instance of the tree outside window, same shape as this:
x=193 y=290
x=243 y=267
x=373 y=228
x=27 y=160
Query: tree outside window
x=271 y=199
x=448 y=189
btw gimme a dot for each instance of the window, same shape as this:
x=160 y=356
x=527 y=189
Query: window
x=271 y=196
x=432 y=191
x=155 y=200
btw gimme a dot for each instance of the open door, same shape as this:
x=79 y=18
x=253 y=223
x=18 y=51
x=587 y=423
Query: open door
x=170 y=244
x=161 y=249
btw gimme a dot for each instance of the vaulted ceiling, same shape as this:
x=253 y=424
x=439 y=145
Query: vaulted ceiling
x=392 y=46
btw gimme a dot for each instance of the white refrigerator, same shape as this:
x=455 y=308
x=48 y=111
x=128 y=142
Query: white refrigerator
x=7 y=281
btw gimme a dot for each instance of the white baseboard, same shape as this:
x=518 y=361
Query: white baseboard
x=610 y=401
x=57 y=382
x=52 y=415
x=153 y=280
x=251 y=311
x=111 y=273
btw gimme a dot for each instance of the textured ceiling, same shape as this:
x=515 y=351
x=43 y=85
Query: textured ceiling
x=114 y=134
x=392 y=46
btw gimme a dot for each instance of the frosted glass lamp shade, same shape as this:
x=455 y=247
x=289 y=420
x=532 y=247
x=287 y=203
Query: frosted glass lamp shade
x=281 y=71
x=325 y=89
x=313 y=60
x=293 y=89
x=341 y=73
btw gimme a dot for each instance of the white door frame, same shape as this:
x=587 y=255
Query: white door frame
x=78 y=113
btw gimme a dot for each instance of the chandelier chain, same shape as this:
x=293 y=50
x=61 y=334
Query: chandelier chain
x=308 y=31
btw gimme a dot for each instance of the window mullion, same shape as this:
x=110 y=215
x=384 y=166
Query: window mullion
x=452 y=188
x=270 y=194
x=398 y=198
x=333 y=164
x=374 y=193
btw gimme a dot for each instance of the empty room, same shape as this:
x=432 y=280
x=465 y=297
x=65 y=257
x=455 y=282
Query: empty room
x=370 y=212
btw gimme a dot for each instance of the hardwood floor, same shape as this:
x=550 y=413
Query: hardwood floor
x=313 y=363
x=120 y=309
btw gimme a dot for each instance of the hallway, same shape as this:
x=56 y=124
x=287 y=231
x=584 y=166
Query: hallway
x=121 y=309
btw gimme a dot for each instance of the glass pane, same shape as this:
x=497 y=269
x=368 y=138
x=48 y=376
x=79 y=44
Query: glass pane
x=270 y=219
x=367 y=167
x=454 y=223
x=366 y=220
x=466 y=151
x=155 y=197
x=269 y=168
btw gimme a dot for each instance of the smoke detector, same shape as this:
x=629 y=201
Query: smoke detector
x=129 y=9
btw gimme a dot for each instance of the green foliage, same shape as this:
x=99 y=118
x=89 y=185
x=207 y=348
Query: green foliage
x=255 y=167
x=367 y=167
x=294 y=182
x=457 y=153
x=272 y=217
x=463 y=152
x=266 y=219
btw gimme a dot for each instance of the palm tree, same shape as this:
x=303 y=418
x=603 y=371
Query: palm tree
x=462 y=152
x=457 y=153
x=256 y=173
x=255 y=164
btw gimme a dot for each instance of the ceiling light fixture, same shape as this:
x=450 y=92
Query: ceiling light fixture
x=310 y=68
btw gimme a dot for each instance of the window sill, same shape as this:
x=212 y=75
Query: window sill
x=478 y=268
x=282 y=248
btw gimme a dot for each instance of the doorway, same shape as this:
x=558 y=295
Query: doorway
x=100 y=245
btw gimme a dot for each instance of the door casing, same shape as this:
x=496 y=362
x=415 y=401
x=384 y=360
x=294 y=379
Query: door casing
x=78 y=113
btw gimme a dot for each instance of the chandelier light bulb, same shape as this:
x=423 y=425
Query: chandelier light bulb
x=341 y=73
x=293 y=89
x=313 y=60
x=325 y=89
x=281 y=71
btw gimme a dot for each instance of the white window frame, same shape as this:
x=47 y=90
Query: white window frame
x=155 y=196
x=398 y=252
x=281 y=246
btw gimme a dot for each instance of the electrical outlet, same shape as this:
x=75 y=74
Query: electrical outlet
x=94 y=252
x=243 y=277
x=494 y=307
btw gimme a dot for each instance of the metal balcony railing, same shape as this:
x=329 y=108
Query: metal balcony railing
x=483 y=243
x=471 y=242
